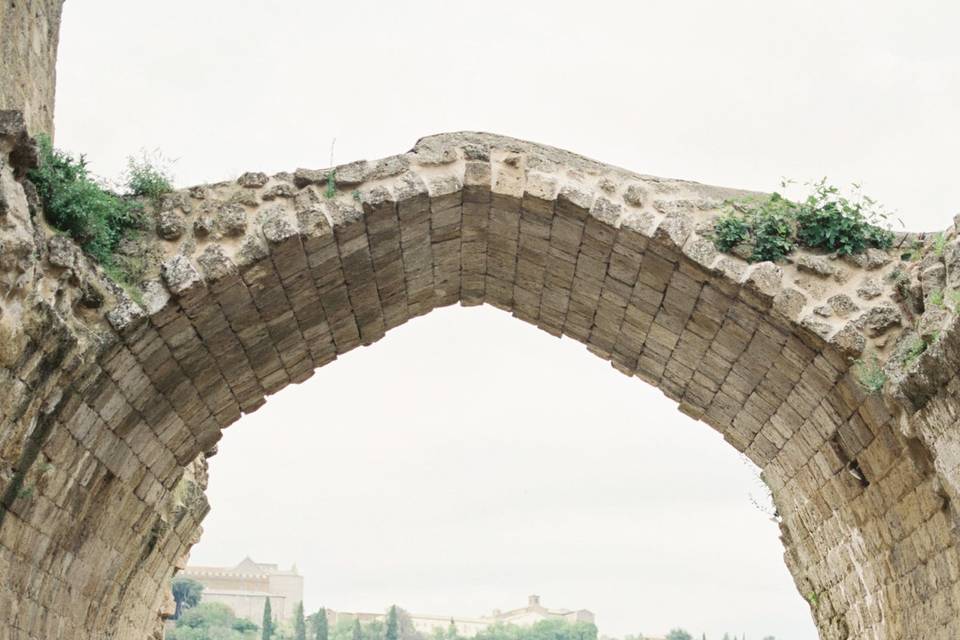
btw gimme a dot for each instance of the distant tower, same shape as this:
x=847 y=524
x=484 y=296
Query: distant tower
x=533 y=601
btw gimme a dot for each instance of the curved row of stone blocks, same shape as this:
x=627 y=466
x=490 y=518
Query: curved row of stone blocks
x=109 y=405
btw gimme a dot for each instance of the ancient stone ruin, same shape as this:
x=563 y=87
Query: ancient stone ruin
x=110 y=400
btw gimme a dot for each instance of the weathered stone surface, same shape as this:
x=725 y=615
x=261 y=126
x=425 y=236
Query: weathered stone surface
x=817 y=265
x=63 y=252
x=849 y=340
x=869 y=289
x=169 y=225
x=130 y=397
x=636 y=195
x=870 y=259
x=231 y=220
x=842 y=305
x=30 y=32
x=282 y=190
x=932 y=322
x=879 y=320
x=306 y=177
x=203 y=226
x=252 y=180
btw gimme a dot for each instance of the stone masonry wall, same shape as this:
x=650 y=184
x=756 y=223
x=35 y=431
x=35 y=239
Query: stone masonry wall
x=259 y=281
x=109 y=406
x=29 y=33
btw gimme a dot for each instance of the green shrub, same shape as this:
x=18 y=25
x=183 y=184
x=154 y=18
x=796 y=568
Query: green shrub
x=774 y=225
x=147 y=177
x=831 y=221
x=74 y=202
x=766 y=226
x=730 y=230
x=98 y=219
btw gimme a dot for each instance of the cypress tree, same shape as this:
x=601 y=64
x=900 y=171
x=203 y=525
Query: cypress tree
x=320 y=626
x=392 y=626
x=266 y=629
x=357 y=633
x=299 y=624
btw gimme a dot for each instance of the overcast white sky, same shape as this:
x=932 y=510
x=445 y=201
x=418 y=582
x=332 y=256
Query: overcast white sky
x=468 y=459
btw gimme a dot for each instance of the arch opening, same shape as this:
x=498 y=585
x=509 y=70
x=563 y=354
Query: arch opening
x=507 y=462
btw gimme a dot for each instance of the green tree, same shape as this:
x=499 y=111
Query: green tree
x=679 y=634
x=299 y=623
x=244 y=626
x=266 y=627
x=543 y=630
x=357 y=631
x=186 y=594
x=406 y=630
x=375 y=630
x=321 y=628
x=393 y=630
x=211 y=621
x=452 y=630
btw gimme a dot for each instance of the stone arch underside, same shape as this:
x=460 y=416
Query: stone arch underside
x=111 y=400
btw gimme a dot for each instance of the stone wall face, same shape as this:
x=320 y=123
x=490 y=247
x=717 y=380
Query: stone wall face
x=29 y=33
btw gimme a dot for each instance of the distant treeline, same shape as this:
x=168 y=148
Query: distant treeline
x=214 y=621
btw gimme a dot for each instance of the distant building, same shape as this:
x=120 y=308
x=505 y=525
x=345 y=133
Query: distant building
x=246 y=587
x=469 y=626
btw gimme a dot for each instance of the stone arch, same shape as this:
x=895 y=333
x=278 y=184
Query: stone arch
x=113 y=398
